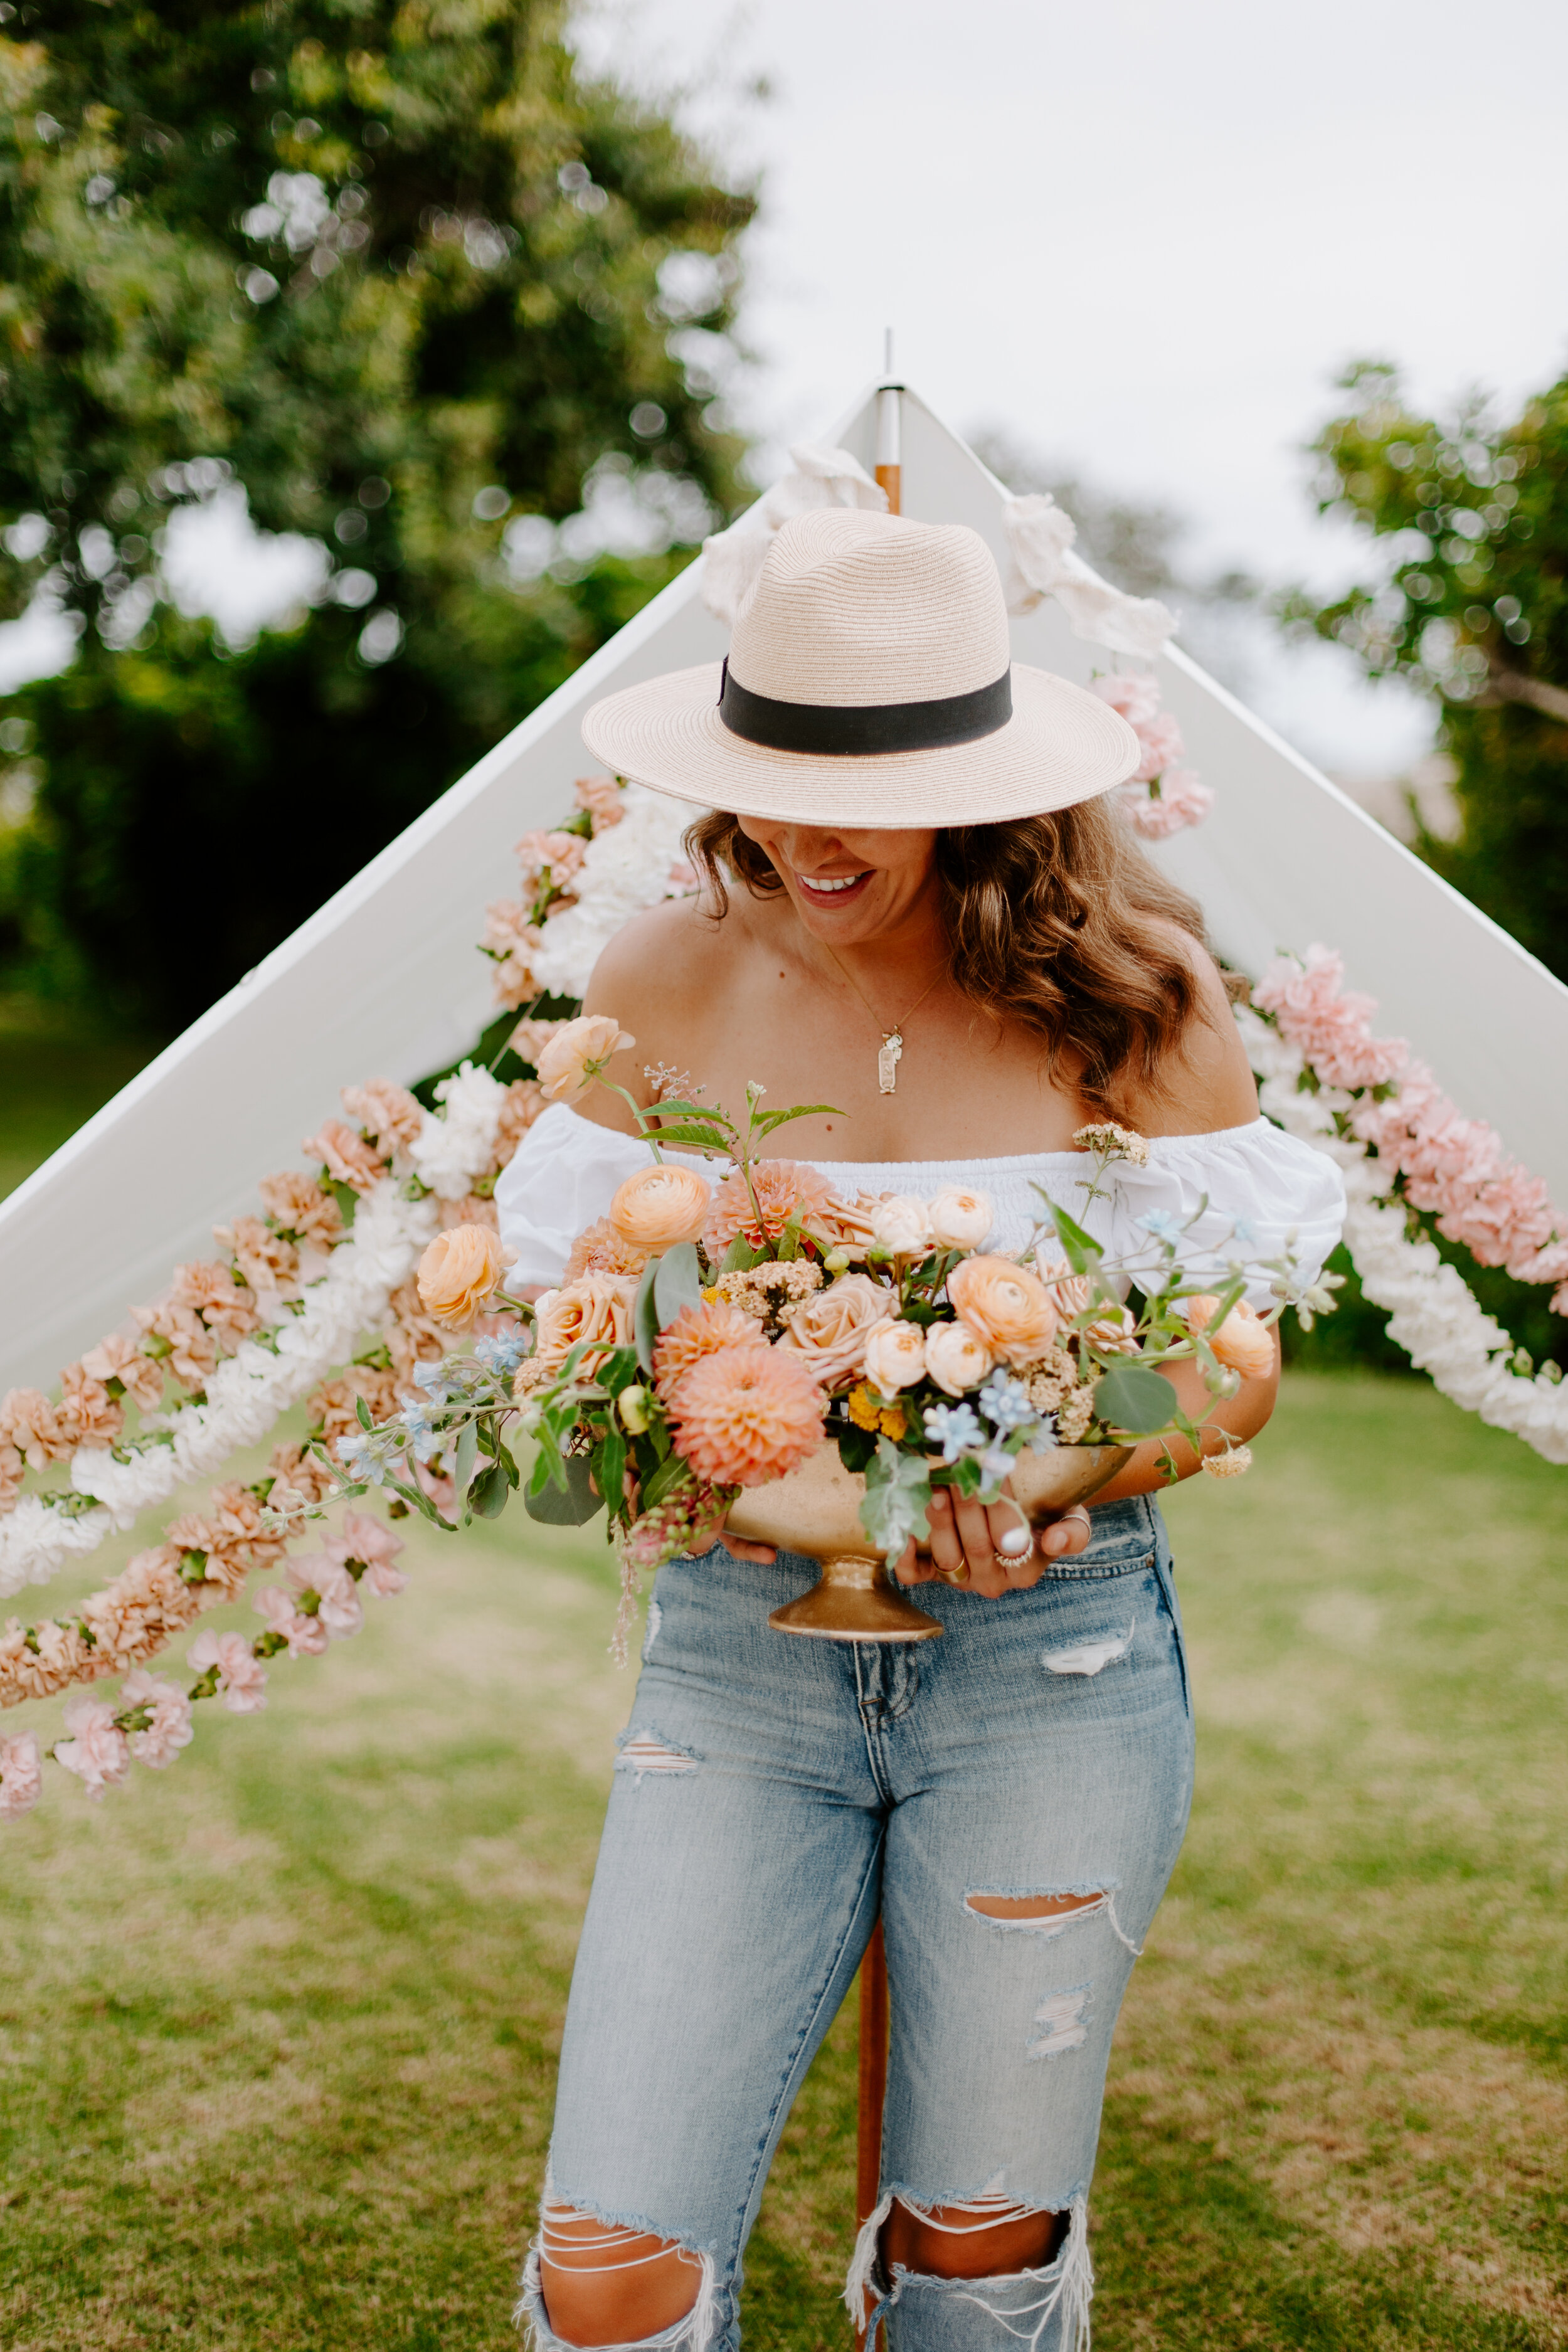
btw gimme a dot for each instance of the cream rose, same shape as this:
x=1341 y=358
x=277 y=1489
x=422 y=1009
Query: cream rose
x=901 y=1225
x=956 y=1357
x=596 y=1308
x=658 y=1207
x=1244 y=1343
x=1008 y=1305
x=578 y=1052
x=458 y=1272
x=960 y=1218
x=1070 y=1291
x=895 y=1357
x=831 y=1327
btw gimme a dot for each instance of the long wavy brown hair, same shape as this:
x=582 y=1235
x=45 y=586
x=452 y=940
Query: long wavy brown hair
x=1052 y=921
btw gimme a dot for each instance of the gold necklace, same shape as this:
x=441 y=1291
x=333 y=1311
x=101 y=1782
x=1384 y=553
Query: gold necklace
x=890 y=1052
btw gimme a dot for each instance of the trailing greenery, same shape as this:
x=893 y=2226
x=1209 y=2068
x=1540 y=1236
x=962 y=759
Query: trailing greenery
x=1469 y=601
x=420 y=291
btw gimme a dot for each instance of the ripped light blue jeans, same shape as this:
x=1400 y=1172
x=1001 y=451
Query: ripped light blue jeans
x=771 y=1794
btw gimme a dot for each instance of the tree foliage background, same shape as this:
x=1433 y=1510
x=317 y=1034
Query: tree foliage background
x=407 y=281
x=1468 y=598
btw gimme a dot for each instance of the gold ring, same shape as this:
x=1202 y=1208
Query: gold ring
x=959 y=1575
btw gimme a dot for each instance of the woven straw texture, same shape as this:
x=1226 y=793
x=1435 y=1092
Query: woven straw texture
x=850 y=611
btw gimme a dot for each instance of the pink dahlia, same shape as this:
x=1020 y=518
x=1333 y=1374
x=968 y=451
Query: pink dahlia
x=784 y=1187
x=744 y=1416
x=696 y=1332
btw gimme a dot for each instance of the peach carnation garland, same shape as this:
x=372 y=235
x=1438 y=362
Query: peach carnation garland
x=745 y=1415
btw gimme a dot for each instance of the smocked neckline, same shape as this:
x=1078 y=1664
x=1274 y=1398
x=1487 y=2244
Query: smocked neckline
x=1002 y=1162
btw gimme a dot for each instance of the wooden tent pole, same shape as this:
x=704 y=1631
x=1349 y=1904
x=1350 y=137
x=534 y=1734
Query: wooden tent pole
x=874 y=1967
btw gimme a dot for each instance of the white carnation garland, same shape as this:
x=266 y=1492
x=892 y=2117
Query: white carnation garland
x=1433 y=1313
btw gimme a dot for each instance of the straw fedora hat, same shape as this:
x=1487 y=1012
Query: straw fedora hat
x=869 y=683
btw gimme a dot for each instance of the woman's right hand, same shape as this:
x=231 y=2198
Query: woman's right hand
x=739 y=1549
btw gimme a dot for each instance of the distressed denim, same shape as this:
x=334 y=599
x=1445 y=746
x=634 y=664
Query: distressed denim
x=771 y=1794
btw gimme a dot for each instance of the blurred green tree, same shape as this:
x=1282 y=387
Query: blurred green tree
x=1470 y=602
x=421 y=293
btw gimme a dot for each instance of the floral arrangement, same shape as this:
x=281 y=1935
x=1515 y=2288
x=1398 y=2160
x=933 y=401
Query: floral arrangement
x=1408 y=1152
x=314 y=1299
x=710 y=1336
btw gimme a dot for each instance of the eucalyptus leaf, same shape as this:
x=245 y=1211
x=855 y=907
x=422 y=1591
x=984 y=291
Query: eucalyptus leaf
x=575 y=1506
x=645 y=1314
x=678 y=1282
x=467 y=1453
x=489 y=1494
x=1132 y=1397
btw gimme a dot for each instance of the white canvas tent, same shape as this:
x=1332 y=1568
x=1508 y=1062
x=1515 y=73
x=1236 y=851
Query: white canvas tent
x=384 y=980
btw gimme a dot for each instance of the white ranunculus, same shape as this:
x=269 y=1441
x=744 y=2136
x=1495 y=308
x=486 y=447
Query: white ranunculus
x=957 y=1358
x=901 y=1225
x=960 y=1218
x=895 y=1357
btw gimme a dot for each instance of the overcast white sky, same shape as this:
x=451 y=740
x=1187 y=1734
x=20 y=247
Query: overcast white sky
x=1143 y=235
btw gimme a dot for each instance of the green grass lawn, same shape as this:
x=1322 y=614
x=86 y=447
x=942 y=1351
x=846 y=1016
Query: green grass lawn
x=278 y=2027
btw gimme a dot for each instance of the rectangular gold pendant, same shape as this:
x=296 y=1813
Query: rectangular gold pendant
x=887 y=1061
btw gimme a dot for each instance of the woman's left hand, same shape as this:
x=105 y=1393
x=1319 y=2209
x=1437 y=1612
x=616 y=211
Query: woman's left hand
x=967 y=1541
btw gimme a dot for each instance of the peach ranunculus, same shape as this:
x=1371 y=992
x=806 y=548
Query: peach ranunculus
x=661 y=1206
x=1244 y=1343
x=392 y=1114
x=600 y=1249
x=577 y=1053
x=1008 y=1305
x=960 y=1218
x=696 y=1332
x=597 y=1308
x=957 y=1358
x=831 y=1327
x=458 y=1273
x=347 y=1158
x=744 y=1416
x=784 y=1189
x=895 y=1357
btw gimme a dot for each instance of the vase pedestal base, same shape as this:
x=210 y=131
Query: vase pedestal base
x=856 y=1600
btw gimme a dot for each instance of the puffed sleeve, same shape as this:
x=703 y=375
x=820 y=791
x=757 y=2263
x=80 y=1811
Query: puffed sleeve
x=1271 y=1183
x=561 y=1177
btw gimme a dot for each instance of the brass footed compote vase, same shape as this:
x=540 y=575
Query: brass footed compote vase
x=817 y=1510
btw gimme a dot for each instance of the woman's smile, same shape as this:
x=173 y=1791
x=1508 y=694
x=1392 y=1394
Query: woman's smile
x=833 y=889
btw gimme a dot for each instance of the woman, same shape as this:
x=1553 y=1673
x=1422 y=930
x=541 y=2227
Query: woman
x=921 y=909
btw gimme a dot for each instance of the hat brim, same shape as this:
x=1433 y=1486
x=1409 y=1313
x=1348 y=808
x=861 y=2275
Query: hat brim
x=1061 y=745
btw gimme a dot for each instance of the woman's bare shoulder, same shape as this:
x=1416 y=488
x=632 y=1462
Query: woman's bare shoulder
x=662 y=963
x=1207 y=1083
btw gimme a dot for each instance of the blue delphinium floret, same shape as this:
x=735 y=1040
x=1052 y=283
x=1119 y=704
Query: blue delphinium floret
x=1004 y=1401
x=955 y=1428
x=1163 y=1226
x=502 y=1354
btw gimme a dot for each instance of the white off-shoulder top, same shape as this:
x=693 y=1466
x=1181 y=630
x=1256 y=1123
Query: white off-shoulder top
x=566 y=1169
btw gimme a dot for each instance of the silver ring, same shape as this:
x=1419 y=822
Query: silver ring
x=1080 y=1516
